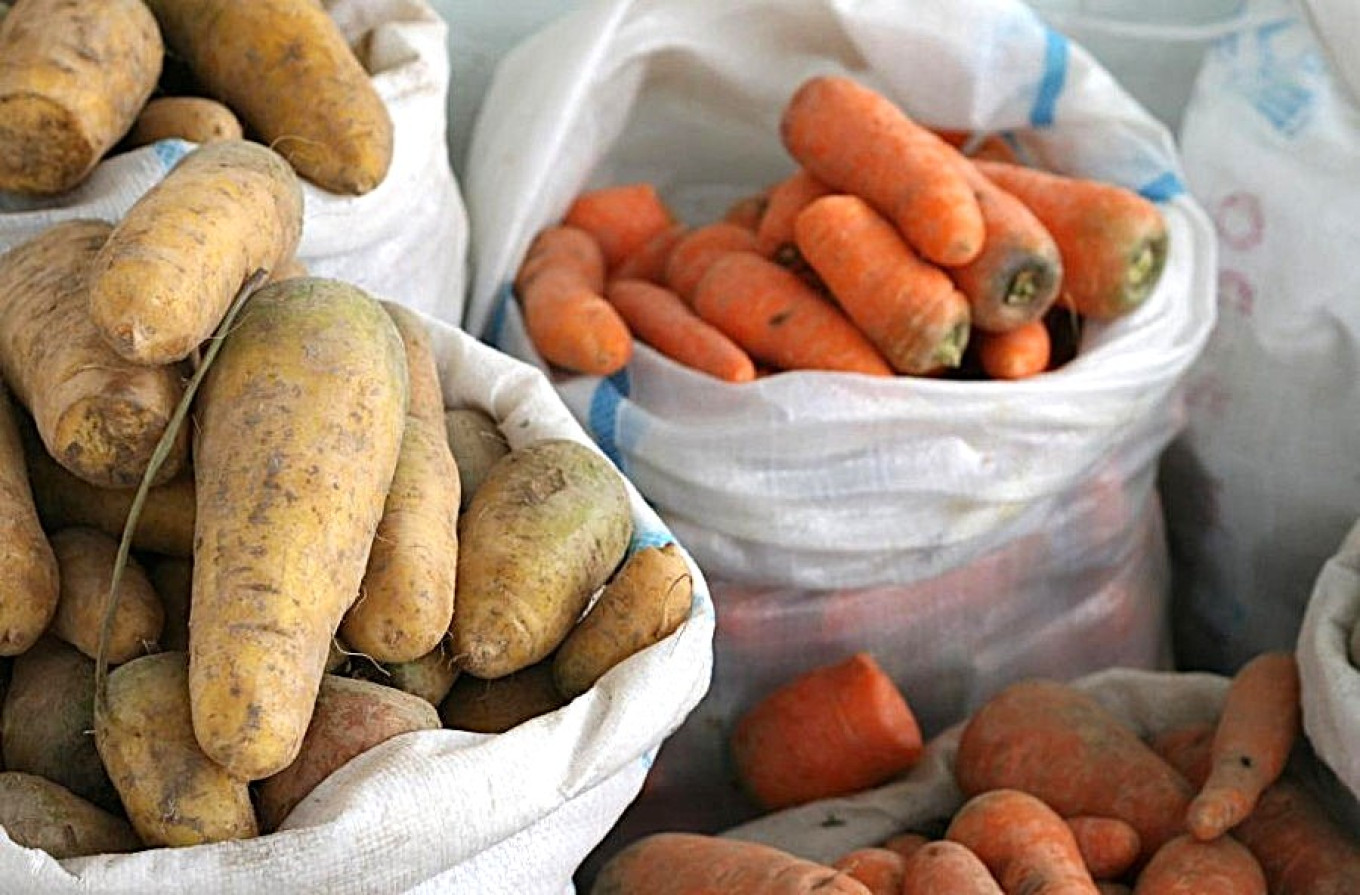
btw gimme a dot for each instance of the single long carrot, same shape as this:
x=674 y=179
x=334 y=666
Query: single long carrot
x=1113 y=242
x=1108 y=845
x=648 y=261
x=696 y=251
x=909 y=309
x=568 y=320
x=1018 y=354
x=858 y=141
x=660 y=318
x=774 y=237
x=779 y=319
x=695 y=864
x=1257 y=728
x=621 y=217
x=1016 y=277
x=1023 y=842
x=947 y=866
x=832 y=730
x=1187 y=866
x=879 y=869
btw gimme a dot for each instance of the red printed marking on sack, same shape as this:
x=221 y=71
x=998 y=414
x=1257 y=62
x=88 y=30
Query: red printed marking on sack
x=1239 y=221
x=1235 y=292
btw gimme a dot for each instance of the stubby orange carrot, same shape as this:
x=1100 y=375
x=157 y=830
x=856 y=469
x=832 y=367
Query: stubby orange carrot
x=1186 y=866
x=621 y=218
x=568 y=320
x=1257 y=728
x=1024 y=843
x=1054 y=741
x=1113 y=242
x=1015 y=278
x=748 y=210
x=879 y=869
x=696 y=251
x=1019 y=354
x=695 y=864
x=909 y=309
x=1108 y=845
x=774 y=237
x=648 y=261
x=906 y=844
x=947 y=866
x=833 y=730
x=660 y=318
x=858 y=141
x=779 y=319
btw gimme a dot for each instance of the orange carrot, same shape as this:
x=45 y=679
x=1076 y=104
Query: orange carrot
x=1058 y=743
x=1299 y=847
x=879 y=869
x=648 y=261
x=658 y=317
x=774 y=238
x=1018 y=354
x=779 y=319
x=906 y=844
x=696 y=251
x=992 y=147
x=1186 y=866
x=858 y=141
x=1024 y=843
x=748 y=211
x=695 y=864
x=1256 y=730
x=1113 y=242
x=1015 y=278
x=621 y=218
x=909 y=309
x=568 y=320
x=833 y=730
x=947 y=866
x=1108 y=845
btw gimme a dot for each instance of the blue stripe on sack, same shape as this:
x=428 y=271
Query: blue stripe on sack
x=1052 y=81
x=604 y=414
x=1160 y=189
x=650 y=537
x=496 y=326
x=170 y=151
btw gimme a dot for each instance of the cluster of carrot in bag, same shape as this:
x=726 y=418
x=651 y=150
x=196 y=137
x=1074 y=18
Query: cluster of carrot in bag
x=1058 y=796
x=889 y=251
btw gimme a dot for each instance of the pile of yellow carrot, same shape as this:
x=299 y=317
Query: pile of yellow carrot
x=887 y=252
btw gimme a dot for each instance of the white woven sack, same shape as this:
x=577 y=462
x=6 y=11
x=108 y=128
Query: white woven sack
x=448 y=811
x=815 y=479
x=407 y=237
x=1262 y=487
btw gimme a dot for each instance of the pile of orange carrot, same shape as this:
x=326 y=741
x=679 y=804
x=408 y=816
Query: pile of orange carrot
x=1059 y=797
x=889 y=251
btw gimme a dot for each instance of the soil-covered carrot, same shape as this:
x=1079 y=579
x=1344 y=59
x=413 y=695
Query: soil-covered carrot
x=495 y=706
x=1058 y=743
x=99 y=415
x=858 y=141
x=73 y=76
x=879 y=869
x=1017 y=354
x=780 y=320
x=286 y=69
x=1257 y=728
x=774 y=237
x=29 y=588
x=648 y=261
x=85 y=558
x=1015 y=278
x=477 y=443
x=696 y=251
x=1108 y=845
x=748 y=210
x=621 y=218
x=906 y=844
x=1301 y=849
x=1186 y=866
x=169 y=270
x=659 y=317
x=947 y=866
x=197 y=119
x=909 y=309
x=832 y=730
x=560 y=286
x=1113 y=242
x=1024 y=843
x=695 y=864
